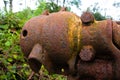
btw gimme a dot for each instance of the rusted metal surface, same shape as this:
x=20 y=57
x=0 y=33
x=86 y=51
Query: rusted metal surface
x=58 y=37
x=87 y=18
x=86 y=49
x=118 y=22
x=96 y=70
x=103 y=36
x=87 y=53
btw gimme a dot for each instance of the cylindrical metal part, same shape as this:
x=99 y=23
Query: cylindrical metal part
x=96 y=70
x=35 y=57
x=116 y=35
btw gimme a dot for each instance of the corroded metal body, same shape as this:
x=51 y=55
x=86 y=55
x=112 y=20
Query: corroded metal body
x=85 y=49
x=59 y=36
x=103 y=37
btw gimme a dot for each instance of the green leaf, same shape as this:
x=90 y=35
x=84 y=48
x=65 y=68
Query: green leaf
x=25 y=65
x=8 y=43
x=15 y=56
x=3 y=26
x=10 y=59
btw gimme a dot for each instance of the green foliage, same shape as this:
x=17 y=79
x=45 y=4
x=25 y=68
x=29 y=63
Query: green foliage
x=52 y=7
x=99 y=17
x=24 y=15
x=77 y=3
x=15 y=20
x=10 y=19
x=95 y=9
x=40 y=8
x=13 y=66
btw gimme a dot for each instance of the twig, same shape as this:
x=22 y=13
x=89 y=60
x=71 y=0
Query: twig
x=31 y=75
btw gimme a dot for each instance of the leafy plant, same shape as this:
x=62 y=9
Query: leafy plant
x=10 y=19
x=52 y=7
x=11 y=58
x=24 y=16
x=40 y=8
x=99 y=17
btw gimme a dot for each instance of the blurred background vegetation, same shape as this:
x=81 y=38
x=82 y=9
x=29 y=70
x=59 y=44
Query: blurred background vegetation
x=13 y=65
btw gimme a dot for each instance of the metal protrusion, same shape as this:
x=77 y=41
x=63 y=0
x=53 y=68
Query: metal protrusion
x=87 y=18
x=63 y=9
x=118 y=22
x=34 y=58
x=87 y=53
x=46 y=12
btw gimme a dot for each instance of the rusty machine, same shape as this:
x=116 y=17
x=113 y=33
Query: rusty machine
x=79 y=47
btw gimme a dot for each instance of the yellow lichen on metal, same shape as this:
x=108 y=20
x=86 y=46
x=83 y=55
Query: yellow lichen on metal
x=74 y=30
